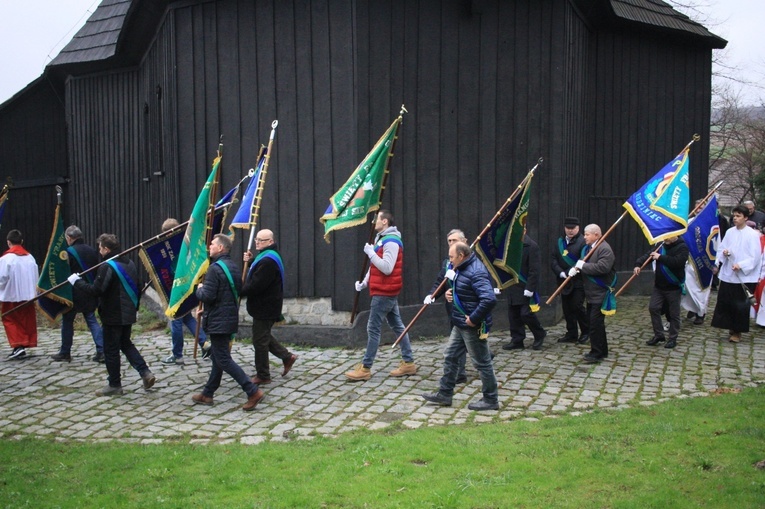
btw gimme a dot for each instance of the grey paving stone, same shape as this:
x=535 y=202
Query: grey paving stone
x=51 y=399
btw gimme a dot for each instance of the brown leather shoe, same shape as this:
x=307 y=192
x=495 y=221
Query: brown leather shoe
x=260 y=381
x=201 y=399
x=288 y=364
x=253 y=401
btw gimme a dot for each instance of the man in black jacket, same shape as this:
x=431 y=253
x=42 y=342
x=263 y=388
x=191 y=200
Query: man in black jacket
x=220 y=295
x=668 y=284
x=116 y=286
x=565 y=254
x=264 y=289
x=519 y=299
x=81 y=258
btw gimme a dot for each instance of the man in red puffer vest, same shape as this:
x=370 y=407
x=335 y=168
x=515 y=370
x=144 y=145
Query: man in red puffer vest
x=385 y=279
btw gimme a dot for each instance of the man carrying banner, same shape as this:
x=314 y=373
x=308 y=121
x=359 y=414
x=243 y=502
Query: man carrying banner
x=565 y=254
x=117 y=289
x=668 y=287
x=599 y=279
x=385 y=278
x=453 y=236
x=523 y=299
x=473 y=297
x=264 y=289
x=739 y=269
x=220 y=295
x=18 y=283
x=176 y=325
x=81 y=257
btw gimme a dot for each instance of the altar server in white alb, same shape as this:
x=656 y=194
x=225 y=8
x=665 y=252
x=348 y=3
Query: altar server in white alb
x=18 y=284
x=738 y=262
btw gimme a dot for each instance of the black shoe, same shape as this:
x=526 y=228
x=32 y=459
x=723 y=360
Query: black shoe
x=62 y=357
x=482 y=404
x=512 y=346
x=584 y=338
x=655 y=341
x=592 y=359
x=567 y=339
x=690 y=315
x=206 y=352
x=671 y=344
x=99 y=357
x=461 y=379
x=437 y=398
x=699 y=320
x=537 y=345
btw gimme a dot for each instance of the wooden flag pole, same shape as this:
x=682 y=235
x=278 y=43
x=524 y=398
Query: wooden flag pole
x=693 y=213
x=209 y=219
x=391 y=153
x=94 y=267
x=259 y=196
x=496 y=216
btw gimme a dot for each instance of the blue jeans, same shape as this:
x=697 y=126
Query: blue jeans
x=222 y=361
x=385 y=307
x=176 y=332
x=466 y=340
x=67 y=331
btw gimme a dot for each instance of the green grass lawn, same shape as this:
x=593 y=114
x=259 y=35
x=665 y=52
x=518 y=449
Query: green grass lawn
x=697 y=452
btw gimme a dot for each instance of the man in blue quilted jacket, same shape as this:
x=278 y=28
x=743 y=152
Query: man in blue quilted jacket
x=472 y=296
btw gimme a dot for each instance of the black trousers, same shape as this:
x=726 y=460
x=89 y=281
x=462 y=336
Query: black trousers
x=575 y=313
x=520 y=316
x=665 y=301
x=116 y=340
x=598 y=339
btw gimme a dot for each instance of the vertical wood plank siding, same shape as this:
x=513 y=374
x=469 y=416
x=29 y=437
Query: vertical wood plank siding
x=491 y=86
x=33 y=148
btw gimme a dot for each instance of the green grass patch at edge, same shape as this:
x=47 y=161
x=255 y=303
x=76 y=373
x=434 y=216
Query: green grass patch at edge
x=696 y=452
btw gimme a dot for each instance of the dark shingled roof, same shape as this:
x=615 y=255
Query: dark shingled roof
x=97 y=39
x=660 y=14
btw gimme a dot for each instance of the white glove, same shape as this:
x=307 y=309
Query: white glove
x=527 y=293
x=562 y=275
x=369 y=249
x=73 y=278
x=497 y=291
x=360 y=285
x=428 y=300
x=450 y=274
x=579 y=264
x=573 y=272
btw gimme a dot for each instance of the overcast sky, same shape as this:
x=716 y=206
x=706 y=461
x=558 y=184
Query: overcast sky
x=32 y=32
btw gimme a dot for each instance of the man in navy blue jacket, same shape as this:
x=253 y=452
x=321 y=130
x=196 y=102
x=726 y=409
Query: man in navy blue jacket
x=220 y=295
x=472 y=295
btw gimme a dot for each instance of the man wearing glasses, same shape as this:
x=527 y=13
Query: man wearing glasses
x=264 y=289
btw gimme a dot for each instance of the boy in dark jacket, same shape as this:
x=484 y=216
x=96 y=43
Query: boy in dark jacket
x=667 y=288
x=117 y=289
x=220 y=295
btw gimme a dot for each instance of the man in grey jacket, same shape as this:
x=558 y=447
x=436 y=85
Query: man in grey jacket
x=599 y=279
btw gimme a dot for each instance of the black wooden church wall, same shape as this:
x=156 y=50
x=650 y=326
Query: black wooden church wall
x=490 y=86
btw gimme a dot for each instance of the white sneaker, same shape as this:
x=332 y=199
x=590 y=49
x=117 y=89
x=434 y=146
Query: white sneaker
x=171 y=359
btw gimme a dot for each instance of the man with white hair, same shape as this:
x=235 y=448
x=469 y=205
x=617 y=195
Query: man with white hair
x=755 y=215
x=599 y=282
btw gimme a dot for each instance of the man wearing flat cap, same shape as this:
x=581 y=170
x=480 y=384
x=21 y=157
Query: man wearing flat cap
x=565 y=254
